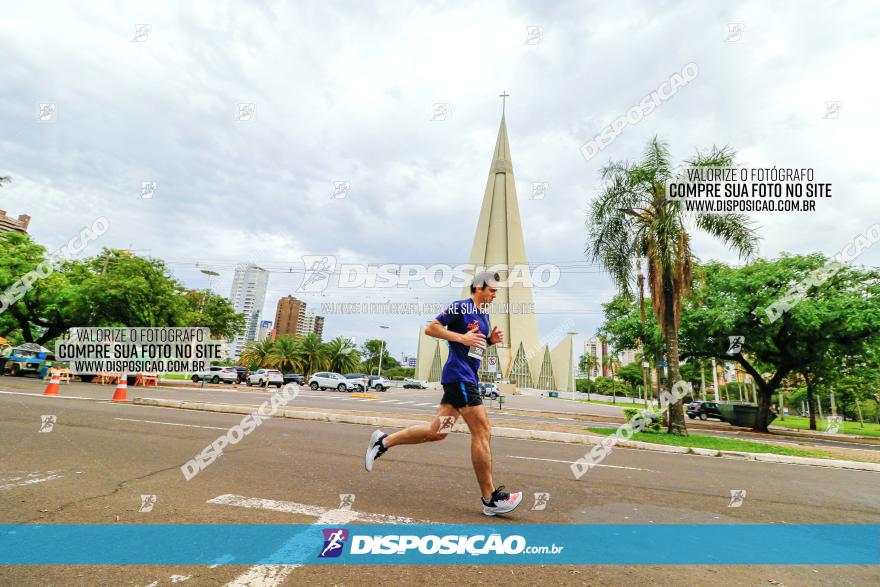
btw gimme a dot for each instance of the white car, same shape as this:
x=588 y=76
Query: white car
x=379 y=383
x=266 y=377
x=335 y=381
x=216 y=375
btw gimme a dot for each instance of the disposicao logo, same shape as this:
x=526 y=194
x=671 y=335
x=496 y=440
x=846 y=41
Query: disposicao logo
x=334 y=541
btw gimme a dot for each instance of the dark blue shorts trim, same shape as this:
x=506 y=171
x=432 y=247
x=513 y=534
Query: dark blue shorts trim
x=461 y=394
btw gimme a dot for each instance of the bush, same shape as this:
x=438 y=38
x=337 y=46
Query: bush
x=653 y=419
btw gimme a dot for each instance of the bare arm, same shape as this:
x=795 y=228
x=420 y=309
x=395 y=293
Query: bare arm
x=472 y=338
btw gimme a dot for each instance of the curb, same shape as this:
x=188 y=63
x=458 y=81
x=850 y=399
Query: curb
x=518 y=433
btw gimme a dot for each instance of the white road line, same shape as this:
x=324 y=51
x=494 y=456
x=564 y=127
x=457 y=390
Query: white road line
x=274 y=575
x=30 y=479
x=170 y=423
x=428 y=404
x=94 y=399
x=572 y=462
x=404 y=403
x=387 y=401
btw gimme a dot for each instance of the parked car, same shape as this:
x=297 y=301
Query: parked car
x=325 y=380
x=294 y=378
x=414 y=384
x=266 y=377
x=216 y=375
x=704 y=411
x=358 y=379
x=378 y=383
x=489 y=389
x=243 y=373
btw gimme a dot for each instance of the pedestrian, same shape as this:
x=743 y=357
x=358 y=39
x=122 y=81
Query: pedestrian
x=465 y=326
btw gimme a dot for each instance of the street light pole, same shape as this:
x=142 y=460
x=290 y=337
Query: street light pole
x=573 y=382
x=381 y=350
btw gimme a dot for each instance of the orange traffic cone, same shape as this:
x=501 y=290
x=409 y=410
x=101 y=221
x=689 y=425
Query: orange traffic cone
x=52 y=388
x=119 y=395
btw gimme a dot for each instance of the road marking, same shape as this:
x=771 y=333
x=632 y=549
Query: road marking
x=30 y=479
x=572 y=462
x=428 y=404
x=404 y=403
x=94 y=399
x=387 y=401
x=171 y=424
x=291 y=507
x=273 y=575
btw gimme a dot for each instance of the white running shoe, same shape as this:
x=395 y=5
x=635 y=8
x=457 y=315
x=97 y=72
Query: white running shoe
x=501 y=502
x=375 y=449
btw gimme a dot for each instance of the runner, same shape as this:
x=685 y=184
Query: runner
x=466 y=327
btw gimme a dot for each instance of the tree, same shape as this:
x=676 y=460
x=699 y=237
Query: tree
x=115 y=288
x=370 y=353
x=285 y=354
x=255 y=354
x=313 y=354
x=342 y=355
x=210 y=310
x=633 y=218
x=839 y=318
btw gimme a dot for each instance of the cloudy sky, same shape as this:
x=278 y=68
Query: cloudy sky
x=345 y=92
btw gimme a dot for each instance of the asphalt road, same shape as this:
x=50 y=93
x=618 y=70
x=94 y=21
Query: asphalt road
x=101 y=457
x=410 y=401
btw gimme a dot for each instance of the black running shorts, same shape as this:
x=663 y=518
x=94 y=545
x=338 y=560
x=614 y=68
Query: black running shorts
x=461 y=394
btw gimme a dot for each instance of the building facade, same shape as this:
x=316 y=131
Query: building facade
x=10 y=224
x=288 y=316
x=248 y=296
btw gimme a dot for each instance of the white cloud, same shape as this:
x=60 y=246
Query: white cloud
x=343 y=92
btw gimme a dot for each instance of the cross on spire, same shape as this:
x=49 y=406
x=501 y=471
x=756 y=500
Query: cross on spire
x=503 y=97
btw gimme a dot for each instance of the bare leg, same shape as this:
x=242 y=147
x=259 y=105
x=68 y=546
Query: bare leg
x=481 y=451
x=422 y=432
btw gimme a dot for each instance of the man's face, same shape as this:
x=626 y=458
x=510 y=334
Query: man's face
x=486 y=295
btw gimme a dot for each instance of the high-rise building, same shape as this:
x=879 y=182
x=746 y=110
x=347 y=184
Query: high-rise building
x=310 y=323
x=626 y=356
x=248 y=296
x=498 y=241
x=9 y=224
x=595 y=347
x=265 y=330
x=288 y=316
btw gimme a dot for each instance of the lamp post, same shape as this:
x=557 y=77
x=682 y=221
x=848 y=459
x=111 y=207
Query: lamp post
x=381 y=350
x=211 y=275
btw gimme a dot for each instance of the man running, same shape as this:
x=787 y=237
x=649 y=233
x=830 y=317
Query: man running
x=465 y=326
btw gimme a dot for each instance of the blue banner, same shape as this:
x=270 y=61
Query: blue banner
x=630 y=544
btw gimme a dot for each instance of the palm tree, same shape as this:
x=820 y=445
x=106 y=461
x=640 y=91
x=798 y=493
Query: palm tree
x=285 y=355
x=633 y=218
x=313 y=354
x=342 y=355
x=587 y=364
x=256 y=353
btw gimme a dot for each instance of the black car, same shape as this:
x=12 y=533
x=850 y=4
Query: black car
x=243 y=373
x=294 y=378
x=704 y=411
